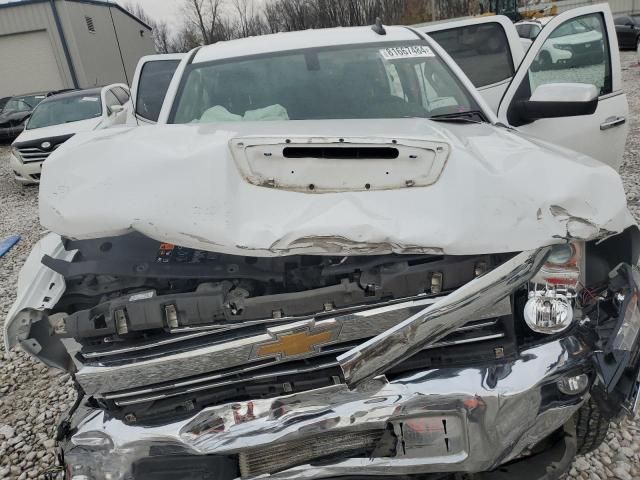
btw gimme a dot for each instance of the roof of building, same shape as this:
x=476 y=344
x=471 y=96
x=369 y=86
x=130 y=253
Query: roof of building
x=313 y=38
x=100 y=3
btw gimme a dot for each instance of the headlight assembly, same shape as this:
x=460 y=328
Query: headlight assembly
x=16 y=153
x=552 y=291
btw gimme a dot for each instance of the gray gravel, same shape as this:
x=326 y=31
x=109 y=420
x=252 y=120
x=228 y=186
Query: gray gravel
x=33 y=397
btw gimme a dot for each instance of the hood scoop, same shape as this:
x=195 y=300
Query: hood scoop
x=329 y=165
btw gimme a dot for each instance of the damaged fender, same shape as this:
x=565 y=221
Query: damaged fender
x=39 y=289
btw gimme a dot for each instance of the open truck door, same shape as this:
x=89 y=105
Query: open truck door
x=568 y=88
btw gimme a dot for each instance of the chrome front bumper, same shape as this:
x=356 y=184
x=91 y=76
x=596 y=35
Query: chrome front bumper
x=443 y=420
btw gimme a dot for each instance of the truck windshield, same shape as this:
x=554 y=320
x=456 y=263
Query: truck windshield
x=65 y=110
x=373 y=81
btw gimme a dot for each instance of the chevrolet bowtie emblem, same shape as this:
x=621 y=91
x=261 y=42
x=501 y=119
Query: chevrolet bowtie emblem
x=292 y=344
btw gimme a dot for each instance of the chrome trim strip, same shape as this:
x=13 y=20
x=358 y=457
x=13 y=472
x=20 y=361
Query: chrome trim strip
x=265 y=376
x=270 y=374
x=241 y=352
x=146 y=346
x=611 y=95
x=403 y=340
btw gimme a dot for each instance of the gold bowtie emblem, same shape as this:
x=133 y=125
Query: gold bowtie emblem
x=293 y=344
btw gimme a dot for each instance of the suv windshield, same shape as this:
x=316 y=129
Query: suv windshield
x=373 y=81
x=65 y=110
x=22 y=104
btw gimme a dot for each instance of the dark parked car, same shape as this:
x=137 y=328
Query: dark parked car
x=15 y=113
x=3 y=102
x=628 y=31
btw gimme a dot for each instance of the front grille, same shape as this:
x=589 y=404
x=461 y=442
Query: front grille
x=33 y=151
x=35 y=154
x=492 y=338
x=169 y=357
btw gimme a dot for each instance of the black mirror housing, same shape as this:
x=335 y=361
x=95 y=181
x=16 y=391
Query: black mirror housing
x=528 y=111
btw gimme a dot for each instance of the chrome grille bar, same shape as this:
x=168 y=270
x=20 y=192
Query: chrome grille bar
x=215 y=381
x=33 y=155
x=270 y=374
x=242 y=353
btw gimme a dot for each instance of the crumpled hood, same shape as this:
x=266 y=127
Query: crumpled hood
x=497 y=192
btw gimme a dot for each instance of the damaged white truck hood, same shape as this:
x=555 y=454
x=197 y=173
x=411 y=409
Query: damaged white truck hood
x=234 y=188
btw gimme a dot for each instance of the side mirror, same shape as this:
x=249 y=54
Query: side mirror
x=117 y=108
x=555 y=100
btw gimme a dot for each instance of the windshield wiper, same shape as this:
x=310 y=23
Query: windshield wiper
x=473 y=116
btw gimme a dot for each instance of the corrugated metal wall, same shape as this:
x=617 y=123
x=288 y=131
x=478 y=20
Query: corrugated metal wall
x=96 y=53
x=95 y=56
x=25 y=19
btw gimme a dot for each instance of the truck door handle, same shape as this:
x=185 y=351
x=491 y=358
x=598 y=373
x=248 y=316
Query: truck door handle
x=612 y=122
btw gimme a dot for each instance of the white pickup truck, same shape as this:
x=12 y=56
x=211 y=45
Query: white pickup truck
x=332 y=258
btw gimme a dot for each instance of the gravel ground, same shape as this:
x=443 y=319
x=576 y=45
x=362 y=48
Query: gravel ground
x=33 y=397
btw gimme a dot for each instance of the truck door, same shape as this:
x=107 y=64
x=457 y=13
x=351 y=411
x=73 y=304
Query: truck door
x=568 y=88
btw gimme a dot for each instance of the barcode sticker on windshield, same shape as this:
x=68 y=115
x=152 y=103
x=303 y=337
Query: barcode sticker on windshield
x=414 y=51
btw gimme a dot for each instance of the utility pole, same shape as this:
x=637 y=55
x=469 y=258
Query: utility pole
x=434 y=11
x=115 y=32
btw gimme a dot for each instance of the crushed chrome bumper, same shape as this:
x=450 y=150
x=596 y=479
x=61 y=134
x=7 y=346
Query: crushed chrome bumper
x=443 y=420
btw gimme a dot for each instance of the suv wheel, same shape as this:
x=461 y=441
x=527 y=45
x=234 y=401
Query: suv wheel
x=591 y=427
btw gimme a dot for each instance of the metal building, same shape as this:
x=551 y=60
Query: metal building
x=56 y=44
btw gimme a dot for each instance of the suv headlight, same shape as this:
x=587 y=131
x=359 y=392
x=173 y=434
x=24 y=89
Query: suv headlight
x=552 y=291
x=16 y=153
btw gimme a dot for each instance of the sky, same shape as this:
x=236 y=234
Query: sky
x=167 y=10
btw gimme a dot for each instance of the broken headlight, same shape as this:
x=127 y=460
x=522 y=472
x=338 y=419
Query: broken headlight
x=552 y=291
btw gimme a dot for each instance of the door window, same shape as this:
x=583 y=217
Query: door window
x=535 y=31
x=623 y=21
x=524 y=30
x=576 y=52
x=111 y=100
x=152 y=87
x=481 y=51
x=121 y=94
